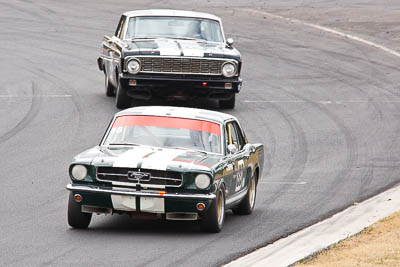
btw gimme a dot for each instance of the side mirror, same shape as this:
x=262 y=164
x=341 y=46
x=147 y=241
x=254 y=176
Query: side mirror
x=232 y=149
x=229 y=41
x=250 y=148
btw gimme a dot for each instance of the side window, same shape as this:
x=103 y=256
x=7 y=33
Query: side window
x=235 y=138
x=121 y=23
x=234 y=135
x=238 y=135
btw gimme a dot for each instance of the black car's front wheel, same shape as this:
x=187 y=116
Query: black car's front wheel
x=246 y=206
x=214 y=219
x=122 y=100
x=77 y=218
x=109 y=88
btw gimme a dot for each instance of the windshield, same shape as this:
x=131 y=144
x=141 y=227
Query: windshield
x=165 y=132
x=174 y=27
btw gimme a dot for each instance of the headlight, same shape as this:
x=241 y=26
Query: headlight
x=133 y=66
x=228 y=69
x=79 y=172
x=202 y=181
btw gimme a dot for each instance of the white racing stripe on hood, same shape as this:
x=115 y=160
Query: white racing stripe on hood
x=132 y=157
x=191 y=49
x=168 y=48
x=161 y=159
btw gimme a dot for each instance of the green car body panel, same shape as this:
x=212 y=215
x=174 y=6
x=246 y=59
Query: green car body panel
x=232 y=169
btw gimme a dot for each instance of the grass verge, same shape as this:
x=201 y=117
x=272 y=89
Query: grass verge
x=376 y=245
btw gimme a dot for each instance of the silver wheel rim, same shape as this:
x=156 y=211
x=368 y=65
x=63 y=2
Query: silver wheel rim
x=220 y=207
x=252 y=192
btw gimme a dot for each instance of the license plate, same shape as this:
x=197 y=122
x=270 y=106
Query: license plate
x=152 y=204
x=126 y=203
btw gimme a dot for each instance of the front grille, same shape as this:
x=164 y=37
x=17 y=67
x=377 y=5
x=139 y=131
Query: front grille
x=142 y=176
x=198 y=66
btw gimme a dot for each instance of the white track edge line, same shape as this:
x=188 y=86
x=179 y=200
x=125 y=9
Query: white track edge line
x=325 y=29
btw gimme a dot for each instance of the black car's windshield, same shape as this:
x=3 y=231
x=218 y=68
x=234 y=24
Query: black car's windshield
x=174 y=27
x=165 y=132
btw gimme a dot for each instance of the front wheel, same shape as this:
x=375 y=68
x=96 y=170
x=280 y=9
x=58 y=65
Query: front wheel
x=77 y=218
x=214 y=219
x=122 y=100
x=228 y=104
x=246 y=206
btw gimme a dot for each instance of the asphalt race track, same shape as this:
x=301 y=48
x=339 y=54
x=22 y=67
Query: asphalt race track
x=327 y=109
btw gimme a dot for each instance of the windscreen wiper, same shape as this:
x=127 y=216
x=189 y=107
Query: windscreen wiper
x=142 y=39
x=185 y=148
x=124 y=144
x=188 y=38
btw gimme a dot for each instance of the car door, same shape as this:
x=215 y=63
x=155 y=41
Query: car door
x=237 y=159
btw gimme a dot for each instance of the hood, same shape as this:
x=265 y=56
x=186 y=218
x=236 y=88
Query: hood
x=175 y=47
x=149 y=158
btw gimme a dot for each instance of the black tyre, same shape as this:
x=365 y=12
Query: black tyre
x=122 y=100
x=246 y=206
x=228 y=104
x=109 y=88
x=214 y=219
x=77 y=218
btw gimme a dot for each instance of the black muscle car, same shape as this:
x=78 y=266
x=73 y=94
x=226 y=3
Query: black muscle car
x=170 y=54
x=169 y=162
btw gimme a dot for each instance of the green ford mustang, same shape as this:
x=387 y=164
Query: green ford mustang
x=170 y=162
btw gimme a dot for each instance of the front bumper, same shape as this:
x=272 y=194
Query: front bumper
x=149 y=86
x=173 y=202
x=122 y=192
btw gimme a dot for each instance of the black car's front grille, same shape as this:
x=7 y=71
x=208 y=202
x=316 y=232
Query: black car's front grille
x=142 y=176
x=181 y=65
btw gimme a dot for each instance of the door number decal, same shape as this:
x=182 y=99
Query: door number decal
x=240 y=176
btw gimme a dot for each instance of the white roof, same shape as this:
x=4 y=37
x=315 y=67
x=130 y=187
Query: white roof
x=170 y=13
x=179 y=112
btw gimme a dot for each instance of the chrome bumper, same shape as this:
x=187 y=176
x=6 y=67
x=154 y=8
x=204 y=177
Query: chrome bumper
x=103 y=190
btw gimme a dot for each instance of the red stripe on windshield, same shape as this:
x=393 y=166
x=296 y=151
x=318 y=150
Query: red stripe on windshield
x=168 y=122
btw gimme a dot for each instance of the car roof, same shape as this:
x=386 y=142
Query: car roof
x=170 y=13
x=179 y=112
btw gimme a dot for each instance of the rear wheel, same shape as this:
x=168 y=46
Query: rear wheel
x=228 y=104
x=77 y=218
x=247 y=205
x=122 y=100
x=109 y=88
x=214 y=219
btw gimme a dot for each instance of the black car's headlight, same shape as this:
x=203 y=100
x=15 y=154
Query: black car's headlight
x=202 y=181
x=229 y=69
x=133 y=66
x=79 y=172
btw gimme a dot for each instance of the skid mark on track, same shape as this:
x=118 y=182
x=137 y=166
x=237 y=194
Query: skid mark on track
x=351 y=155
x=30 y=115
x=299 y=142
x=323 y=28
x=350 y=142
x=391 y=153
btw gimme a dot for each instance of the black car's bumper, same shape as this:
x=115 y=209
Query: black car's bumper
x=105 y=197
x=150 y=86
